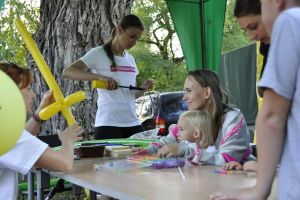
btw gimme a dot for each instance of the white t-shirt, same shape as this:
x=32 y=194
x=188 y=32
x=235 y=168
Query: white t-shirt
x=117 y=107
x=19 y=159
x=282 y=75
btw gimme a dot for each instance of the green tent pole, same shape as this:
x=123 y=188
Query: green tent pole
x=202 y=31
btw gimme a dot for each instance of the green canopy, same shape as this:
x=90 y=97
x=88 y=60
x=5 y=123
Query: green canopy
x=189 y=25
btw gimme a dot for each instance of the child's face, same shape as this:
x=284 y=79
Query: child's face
x=186 y=131
x=270 y=9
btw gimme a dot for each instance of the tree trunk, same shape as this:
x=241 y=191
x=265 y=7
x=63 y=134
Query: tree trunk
x=68 y=29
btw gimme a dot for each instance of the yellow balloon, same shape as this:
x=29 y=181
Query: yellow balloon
x=74 y=98
x=59 y=105
x=12 y=113
x=50 y=110
x=99 y=84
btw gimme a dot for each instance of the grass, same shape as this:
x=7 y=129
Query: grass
x=66 y=195
x=58 y=196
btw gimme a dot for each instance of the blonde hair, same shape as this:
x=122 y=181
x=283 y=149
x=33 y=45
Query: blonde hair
x=201 y=123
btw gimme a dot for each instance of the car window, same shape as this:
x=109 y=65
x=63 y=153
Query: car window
x=173 y=105
x=145 y=107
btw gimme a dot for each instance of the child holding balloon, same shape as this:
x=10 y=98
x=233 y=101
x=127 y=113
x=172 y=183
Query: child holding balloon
x=29 y=150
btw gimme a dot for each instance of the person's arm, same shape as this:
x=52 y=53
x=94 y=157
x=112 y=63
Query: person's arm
x=155 y=146
x=33 y=125
x=270 y=126
x=182 y=149
x=61 y=160
x=78 y=71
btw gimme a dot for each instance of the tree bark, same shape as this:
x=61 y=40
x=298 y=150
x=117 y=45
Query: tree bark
x=67 y=30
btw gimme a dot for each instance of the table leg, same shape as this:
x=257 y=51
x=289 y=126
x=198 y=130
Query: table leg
x=30 y=185
x=93 y=195
x=76 y=190
x=43 y=181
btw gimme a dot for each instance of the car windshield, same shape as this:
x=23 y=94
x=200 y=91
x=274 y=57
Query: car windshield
x=145 y=107
x=173 y=105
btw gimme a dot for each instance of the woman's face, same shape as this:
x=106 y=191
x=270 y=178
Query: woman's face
x=195 y=95
x=129 y=36
x=28 y=96
x=186 y=131
x=254 y=27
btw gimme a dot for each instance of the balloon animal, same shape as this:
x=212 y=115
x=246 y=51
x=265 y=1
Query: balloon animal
x=60 y=104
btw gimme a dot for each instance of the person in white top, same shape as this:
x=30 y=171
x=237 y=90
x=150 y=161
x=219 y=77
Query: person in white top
x=278 y=122
x=29 y=150
x=116 y=114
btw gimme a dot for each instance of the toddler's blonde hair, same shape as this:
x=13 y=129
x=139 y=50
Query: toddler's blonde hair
x=201 y=124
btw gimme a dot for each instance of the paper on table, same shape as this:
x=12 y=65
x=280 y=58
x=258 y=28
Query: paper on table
x=121 y=165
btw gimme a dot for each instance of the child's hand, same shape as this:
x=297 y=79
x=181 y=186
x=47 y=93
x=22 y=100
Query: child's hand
x=70 y=134
x=139 y=151
x=233 y=165
x=250 y=166
x=168 y=150
x=46 y=100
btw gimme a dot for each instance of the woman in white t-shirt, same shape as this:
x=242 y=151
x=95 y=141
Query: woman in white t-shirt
x=116 y=116
x=29 y=150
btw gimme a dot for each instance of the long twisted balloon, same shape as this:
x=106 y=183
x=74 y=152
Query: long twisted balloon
x=61 y=104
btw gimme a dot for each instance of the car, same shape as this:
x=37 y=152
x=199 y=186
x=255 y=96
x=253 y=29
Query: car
x=160 y=110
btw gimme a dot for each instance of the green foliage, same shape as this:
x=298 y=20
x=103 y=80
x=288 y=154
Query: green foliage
x=160 y=65
x=168 y=71
x=168 y=76
x=160 y=31
x=234 y=37
x=12 y=48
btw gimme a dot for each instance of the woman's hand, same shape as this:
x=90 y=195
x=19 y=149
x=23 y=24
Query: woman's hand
x=111 y=83
x=46 y=100
x=148 y=84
